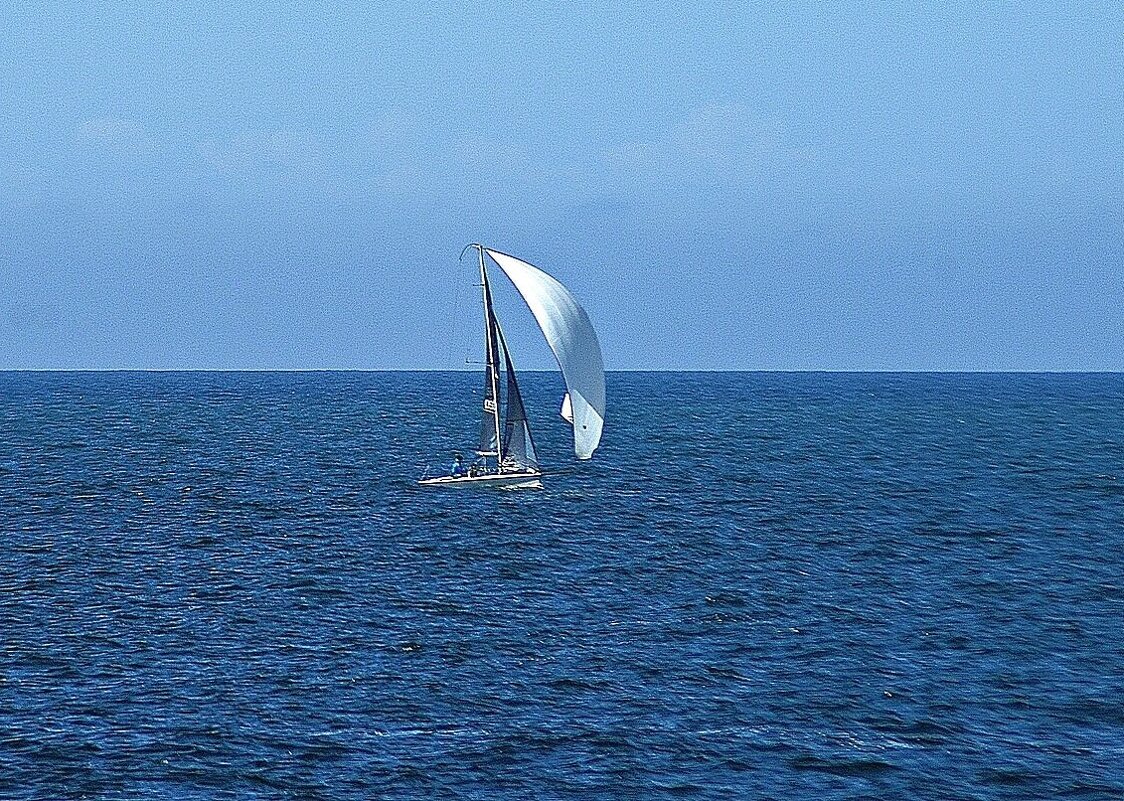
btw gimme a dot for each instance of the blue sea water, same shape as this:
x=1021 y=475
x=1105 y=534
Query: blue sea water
x=228 y=585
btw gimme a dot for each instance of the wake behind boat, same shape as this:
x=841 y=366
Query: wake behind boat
x=505 y=454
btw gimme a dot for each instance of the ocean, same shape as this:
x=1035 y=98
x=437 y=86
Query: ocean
x=764 y=585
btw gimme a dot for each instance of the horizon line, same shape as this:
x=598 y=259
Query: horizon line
x=842 y=371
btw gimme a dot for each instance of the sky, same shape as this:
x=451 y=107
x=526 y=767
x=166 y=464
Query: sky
x=735 y=186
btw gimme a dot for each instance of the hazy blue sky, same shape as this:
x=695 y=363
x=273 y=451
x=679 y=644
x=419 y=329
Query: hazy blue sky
x=187 y=185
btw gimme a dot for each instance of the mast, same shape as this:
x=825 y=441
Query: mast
x=490 y=353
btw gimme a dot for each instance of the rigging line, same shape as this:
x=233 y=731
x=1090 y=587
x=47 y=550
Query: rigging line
x=468 y=349
x=453 y=333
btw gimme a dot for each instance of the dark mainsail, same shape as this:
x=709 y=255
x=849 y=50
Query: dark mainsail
x=518 y=447
x=487 y=446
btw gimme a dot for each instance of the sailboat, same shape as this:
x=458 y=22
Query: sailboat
x=505 y=453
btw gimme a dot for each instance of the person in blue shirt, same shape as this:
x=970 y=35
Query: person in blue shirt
x=458 y=466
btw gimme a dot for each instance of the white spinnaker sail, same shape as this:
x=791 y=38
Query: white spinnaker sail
x=570 y=335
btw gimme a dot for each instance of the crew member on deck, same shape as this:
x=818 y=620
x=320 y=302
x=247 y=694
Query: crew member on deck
x=458 y=466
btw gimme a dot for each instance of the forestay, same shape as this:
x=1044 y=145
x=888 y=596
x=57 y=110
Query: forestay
x=571 y=337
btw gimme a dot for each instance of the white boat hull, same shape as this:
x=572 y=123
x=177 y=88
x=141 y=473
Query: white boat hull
x=502 y=480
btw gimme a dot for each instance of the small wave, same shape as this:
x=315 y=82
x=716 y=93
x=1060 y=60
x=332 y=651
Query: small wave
x=843 y=767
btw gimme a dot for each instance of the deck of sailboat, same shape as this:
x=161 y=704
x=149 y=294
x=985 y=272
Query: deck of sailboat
x=507 y=480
